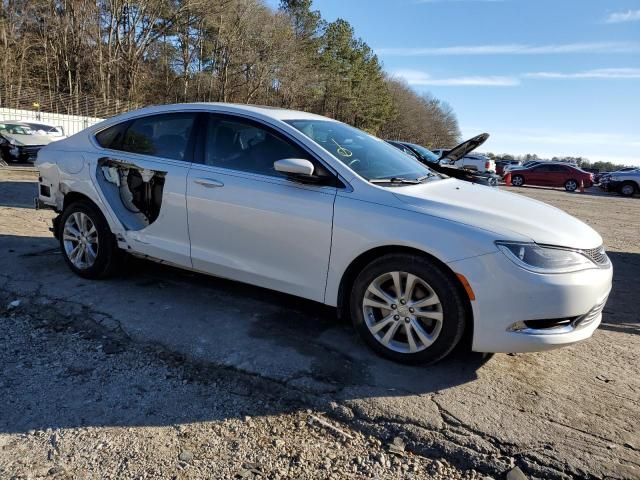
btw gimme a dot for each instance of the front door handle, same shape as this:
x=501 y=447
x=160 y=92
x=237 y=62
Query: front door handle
x=209 y=182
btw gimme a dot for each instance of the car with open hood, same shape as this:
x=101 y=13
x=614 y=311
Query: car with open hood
x=19 y=142
x=309 y=206
x=449 y=163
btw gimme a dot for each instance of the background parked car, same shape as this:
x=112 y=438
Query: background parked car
x=470 y=161
x=501 y=164
x=625 y=182
x=605 y=175
x=552 y=175
x=449 y=166
x=477 y=162
x=19 y=142
x=55 y=132
x=529 y=164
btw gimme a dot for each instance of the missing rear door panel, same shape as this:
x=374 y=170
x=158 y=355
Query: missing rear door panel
x=135 y=193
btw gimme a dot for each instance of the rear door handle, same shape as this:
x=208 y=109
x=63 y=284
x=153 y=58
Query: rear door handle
x=209 y=182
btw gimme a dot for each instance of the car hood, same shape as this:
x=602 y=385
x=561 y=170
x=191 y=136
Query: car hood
x=510 y=216
x=459 y=151
x=27 y=140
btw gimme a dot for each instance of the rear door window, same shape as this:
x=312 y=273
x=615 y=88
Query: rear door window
x=167 y=136
x=112 y=137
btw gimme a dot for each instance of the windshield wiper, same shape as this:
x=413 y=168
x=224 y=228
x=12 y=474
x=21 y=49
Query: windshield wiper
x=406 y=181
x=424 y=177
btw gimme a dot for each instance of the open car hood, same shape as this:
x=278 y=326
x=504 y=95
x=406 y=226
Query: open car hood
x=459 y=151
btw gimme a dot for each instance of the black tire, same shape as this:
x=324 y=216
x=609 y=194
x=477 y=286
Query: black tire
x=519 y=181
x=571 y=185
x=628 y=192
x=442 y=283
x=108 y=259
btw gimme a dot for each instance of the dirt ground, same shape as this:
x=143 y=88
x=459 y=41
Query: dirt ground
x=167 y=374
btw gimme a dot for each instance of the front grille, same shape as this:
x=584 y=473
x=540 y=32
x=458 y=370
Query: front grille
x=597 y=255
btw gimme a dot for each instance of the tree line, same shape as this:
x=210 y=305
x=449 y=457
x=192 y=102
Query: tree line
x=94 y=56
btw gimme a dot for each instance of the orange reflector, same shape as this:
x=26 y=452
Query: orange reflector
x=467 y=287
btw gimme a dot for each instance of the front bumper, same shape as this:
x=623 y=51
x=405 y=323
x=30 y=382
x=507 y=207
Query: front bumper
x=519 y=311
x=611 y=185
x=21 y=153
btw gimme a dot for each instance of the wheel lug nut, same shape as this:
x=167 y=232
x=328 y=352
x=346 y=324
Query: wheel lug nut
x=403 y=301
x=394 y=306
x=396 y=317
x=412 y=310
x=407 y=319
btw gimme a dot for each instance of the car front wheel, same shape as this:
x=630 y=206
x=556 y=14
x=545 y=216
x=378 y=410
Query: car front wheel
x=408 y=309
x=627 y=189
x=86 y=242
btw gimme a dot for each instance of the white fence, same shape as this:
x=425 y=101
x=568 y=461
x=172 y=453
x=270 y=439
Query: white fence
x=70 y=123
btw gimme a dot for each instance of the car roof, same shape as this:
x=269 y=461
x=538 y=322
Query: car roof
x=272 y=112
x=14 y=122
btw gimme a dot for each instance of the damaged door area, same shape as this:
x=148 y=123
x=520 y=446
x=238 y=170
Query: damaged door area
x=133 y=192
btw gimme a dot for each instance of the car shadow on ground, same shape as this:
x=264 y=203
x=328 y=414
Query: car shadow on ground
x=620 y=314
x=200 y=328
x=18 y=194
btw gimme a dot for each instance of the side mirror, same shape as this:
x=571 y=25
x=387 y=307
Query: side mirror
x=294 y=166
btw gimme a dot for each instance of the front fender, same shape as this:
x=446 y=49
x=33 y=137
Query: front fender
x=360 y=226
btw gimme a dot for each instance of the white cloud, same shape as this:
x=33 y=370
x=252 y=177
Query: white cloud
x=515 y=49
x=419 y=78
x=622 y=17
x=600 y=73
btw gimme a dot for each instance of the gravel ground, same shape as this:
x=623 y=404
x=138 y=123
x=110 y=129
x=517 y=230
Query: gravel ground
x=128 y=407
x=217 y=383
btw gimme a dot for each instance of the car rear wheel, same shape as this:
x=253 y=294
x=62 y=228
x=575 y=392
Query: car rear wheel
x=627 y=189
x=86 y=242
x=571 y=185
x=517 y=180
x=407 y=309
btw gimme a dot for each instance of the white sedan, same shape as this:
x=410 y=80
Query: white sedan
x=309 y=206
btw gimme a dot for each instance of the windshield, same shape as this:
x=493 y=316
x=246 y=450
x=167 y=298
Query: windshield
x=368 y=156
x=427 y=154
x=40 y=127
x=15 y=129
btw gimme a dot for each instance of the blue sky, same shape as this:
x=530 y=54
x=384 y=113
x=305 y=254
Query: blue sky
x=552 y=77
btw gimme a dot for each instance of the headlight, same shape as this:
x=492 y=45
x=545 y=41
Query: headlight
x=545 y=259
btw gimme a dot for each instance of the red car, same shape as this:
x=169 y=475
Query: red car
x=552 y=175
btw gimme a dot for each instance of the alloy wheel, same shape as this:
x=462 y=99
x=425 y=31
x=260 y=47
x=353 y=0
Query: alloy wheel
x=571 y=185
x=517 y=181
x=80 y=239
x=402 y=312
